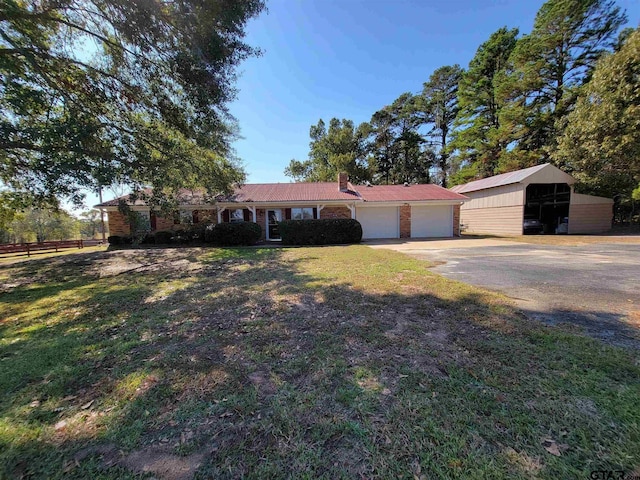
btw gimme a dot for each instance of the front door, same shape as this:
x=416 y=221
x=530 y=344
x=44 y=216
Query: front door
x=273 y=217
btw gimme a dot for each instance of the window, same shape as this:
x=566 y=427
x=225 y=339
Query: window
x=140 y=222
x=302 y=213
x=236 y=215
x=186 y=216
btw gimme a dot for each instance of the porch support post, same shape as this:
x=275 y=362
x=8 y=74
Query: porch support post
x=352 y=209
x=220 y=210
x=253 y=212
x=319 y=209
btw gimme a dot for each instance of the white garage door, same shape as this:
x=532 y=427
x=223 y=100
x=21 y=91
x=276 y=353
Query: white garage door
x=378 y=222
x=433 y=221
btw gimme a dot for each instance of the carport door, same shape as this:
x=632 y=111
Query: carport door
x=378 y=222
x=432 y=221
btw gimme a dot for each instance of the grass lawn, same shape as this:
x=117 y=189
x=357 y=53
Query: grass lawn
x=336 y=362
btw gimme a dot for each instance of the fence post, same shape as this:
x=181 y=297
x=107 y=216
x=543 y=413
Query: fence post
x=28 y=251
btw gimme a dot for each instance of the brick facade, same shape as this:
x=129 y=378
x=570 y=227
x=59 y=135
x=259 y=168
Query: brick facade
x=456 y=220
x=118 y=224
x=335 y=212
x=405 y=221
x=164 y=224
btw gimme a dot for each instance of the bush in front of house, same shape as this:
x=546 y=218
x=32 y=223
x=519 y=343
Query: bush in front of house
x=232 y=234
x=198 y=231
x=118 y=240
x=163 y=237
x=320 y=232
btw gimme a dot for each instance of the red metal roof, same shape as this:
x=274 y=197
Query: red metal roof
x=314 y=192
x=291 y=192
x=410 y=193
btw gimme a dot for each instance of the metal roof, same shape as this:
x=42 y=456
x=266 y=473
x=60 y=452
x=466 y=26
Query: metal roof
x=499 y=180
x=312 y=192
x=409 y=193
x=291 y=192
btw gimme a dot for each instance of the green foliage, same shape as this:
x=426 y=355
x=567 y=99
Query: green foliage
x=400 y=151
x=601 y=143
x=163 y=237
x=440 y=105
x=233 y=233
x=320 y=232
x=90 y=224
x=117 y=240
x=466 y=173
x=506 y=112
x=147 y=106
x=545 y=70
x=340 y=148
x=478 y=139
x=40 y=225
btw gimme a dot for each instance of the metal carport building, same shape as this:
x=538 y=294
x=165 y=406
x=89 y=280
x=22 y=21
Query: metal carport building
x=499 y=204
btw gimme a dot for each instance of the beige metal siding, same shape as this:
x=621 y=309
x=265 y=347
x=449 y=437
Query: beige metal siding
x=505 y=196
x=549 y=174
x=590 y=218
x=582 y=199
x=497 y=220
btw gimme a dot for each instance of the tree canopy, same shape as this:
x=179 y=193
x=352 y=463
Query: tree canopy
x=340 y=148
x=545 y=70
x=601 y=143
x=478 y=138
x=97 y=92
x=566 y=93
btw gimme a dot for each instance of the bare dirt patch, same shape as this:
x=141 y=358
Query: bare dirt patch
x=161 y=462
x=156 y=460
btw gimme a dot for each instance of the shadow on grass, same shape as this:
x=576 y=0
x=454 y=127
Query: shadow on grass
x=253 y=364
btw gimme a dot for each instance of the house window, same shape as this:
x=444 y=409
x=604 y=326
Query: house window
x=302 y=213
x=236 y=215
x=140 y=222
x=186 y=216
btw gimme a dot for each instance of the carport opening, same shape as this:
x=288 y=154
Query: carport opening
x=548 y=203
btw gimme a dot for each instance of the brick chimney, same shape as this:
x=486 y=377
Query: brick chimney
x=343 y=179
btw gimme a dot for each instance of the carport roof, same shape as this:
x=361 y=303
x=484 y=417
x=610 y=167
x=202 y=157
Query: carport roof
x=504 y=179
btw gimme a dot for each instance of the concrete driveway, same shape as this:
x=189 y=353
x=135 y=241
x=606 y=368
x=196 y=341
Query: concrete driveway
x=595 y=286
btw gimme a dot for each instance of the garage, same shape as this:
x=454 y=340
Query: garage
x=431 y=221
x=535 y=200
x=378 y=222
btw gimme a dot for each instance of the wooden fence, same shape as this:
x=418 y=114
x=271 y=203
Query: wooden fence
x=44 y=247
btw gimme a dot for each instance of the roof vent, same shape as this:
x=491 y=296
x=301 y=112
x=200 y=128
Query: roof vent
x=367 y=183
x=406 y=184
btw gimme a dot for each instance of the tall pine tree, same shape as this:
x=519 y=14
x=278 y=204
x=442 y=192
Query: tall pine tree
x=547 y=67
x=477 y=139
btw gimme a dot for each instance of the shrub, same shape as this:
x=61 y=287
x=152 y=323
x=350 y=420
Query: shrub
x=231 y=234
x=197 y=231
x=118 y=240
x=114 y=240
x=163 y=237
x=180 y=237
x=320 y=232
x=149 y=239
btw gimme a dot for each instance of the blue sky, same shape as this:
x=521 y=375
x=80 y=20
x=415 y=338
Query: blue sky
x=348 y=59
